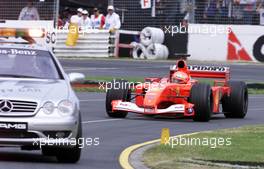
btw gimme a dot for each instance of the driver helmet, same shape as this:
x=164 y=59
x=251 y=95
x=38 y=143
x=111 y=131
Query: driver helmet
x=180 y=77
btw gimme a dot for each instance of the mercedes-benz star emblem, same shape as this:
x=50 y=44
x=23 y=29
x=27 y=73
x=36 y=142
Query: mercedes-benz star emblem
x=6 y=106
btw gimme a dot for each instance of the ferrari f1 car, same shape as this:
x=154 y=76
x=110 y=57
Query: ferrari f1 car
x=179 y=94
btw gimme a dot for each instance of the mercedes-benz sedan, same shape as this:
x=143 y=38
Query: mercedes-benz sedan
x=38 y=107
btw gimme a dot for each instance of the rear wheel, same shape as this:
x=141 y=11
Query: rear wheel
x=201 y=97
x=117 y=90
x=236 y=105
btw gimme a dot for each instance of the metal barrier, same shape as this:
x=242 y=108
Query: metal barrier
x=94 y=43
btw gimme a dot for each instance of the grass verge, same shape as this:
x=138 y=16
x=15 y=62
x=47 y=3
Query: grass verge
x=246 y=148
x=255 y=91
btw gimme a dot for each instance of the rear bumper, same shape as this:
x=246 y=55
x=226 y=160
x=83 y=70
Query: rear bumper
x=185 y=110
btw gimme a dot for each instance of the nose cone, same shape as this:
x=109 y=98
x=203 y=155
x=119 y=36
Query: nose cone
x=152 y=97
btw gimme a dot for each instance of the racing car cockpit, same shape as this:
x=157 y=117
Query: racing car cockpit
x=180 y=75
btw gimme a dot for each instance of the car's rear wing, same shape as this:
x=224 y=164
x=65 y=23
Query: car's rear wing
x=197 y=71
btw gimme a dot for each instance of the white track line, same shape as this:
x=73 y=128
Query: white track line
x=100 y=121
x=256 y=109
x=257 y=97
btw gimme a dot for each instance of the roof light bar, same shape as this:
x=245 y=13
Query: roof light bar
x=24 y=33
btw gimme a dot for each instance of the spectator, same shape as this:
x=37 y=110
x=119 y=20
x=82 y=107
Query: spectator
x=249 y=10
x=75 y=19
x=224 y=11
x=98 y=20
x=258 y=18
x=85 y=21
x=78 y=17
x=60 y=23
x=187 y=8
x=112 y=20
x=66 y=15
x=237 y=12
x=199 y=11
x=260 y=5
x=29 y=12
x=210 y=11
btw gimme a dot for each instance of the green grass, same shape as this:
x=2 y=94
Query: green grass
x=89 y=89
x=255 y=91
x=246 y=148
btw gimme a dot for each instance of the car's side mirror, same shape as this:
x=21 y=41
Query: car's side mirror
x=76 y=77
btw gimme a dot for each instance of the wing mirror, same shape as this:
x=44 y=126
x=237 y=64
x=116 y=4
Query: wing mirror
x=76 y=77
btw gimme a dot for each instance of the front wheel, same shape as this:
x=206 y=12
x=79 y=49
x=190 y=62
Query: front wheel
x=201 y=97
x=71 y=155
x=119 y=90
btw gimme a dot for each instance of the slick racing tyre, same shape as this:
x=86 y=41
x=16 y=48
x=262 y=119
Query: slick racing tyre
x=236 y=105
x=201 y=97
x=117 y=90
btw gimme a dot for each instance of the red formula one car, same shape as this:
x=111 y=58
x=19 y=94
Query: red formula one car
x=179 y=94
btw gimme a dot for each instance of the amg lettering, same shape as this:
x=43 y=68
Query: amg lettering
x=13 y=126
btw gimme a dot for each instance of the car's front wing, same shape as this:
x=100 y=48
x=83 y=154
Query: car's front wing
x=184 y=109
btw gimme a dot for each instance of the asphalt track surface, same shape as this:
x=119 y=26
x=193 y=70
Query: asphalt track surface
x=117 y=134
x=122 y=68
